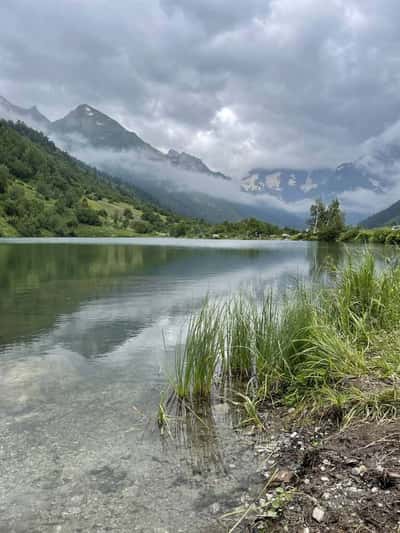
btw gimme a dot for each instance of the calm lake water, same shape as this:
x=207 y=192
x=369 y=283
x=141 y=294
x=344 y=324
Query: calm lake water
x=87 y=334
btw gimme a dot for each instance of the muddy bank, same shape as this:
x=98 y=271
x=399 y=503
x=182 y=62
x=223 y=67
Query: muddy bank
x=321 y=478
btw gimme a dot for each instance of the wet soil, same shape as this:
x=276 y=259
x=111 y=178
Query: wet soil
x=321 y=478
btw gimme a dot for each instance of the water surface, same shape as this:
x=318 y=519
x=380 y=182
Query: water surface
x=87 y=334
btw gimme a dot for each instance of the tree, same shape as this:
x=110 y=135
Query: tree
x=318 y=216
x=4 y=178
x=128 y=213
x=86 y=215
x=326 y=221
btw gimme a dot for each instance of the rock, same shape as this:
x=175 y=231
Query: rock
x=325 y=479
x=350 y=461
x=306 y=530
x=318 y=514
x=282 y=476
x=215 y=508
x=359 y=470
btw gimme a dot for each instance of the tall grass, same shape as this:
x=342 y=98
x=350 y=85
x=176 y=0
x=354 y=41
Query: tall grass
x=196 y=363
x=237 y=329
x=303 y=349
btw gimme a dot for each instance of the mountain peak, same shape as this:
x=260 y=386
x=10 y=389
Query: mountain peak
x=172 y=153
x=32 y=116
x=101 y=130
x=4 y=101
x=85 y=109
x=192 y=163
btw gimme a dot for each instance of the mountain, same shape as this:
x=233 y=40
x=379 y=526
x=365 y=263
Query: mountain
x=100 y=131
x=86 y=125
x=177 y=181
x=44 y=191
x=32 y=115
x=293 y=185
x=192 y=164
x=387 y=217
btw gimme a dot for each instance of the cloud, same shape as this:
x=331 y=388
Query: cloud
x=130 y=166
x=241 y=84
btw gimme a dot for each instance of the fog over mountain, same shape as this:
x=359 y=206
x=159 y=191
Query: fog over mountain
x=299 y=98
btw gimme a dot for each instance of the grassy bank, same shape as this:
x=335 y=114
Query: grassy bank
x=376 y=235
x=361 y=235
x=332 y=351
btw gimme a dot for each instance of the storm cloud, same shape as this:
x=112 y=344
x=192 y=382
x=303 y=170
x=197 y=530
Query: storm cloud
x=241 y=84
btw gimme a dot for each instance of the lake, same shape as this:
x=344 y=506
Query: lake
x=88 y=330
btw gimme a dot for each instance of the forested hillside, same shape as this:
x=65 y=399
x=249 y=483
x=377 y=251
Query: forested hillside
x=45 y=192
x=387 y=217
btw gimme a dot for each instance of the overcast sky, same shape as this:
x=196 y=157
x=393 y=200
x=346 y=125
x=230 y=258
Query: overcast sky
x=240 y=83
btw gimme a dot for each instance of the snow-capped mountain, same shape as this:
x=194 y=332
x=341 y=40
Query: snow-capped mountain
x=173 y=178
x=87 y=126
x=293 y=184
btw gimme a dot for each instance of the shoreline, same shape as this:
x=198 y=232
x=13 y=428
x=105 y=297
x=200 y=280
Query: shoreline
x=320 y=477
x=326 y=365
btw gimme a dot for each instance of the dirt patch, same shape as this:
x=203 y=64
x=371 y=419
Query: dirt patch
x=322 y=479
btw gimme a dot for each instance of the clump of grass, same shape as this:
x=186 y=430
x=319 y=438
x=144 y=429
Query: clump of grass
x=312 y=348
x=163 y=418
x=239 y=334
x=250 y=407
x=196 y=363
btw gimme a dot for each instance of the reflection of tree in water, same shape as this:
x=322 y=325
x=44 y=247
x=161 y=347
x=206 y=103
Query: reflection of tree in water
x=60 y=277
x=42 y=281
x=324 y=258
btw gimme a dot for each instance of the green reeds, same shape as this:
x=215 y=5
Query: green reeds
x=238 y=330
x=196 y=363
x=304 y=348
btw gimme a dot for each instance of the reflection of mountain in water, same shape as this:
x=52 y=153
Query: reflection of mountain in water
x=100 y=295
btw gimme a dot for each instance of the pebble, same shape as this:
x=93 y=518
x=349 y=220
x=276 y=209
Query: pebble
x=359 y=470
x=215 y=508
x=318 y=514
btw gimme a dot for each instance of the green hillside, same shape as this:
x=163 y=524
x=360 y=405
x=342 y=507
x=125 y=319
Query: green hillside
x=46 y=192
x=387 y=217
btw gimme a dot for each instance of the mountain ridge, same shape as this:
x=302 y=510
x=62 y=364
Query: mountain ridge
x=102 y=131
x=85 y=126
